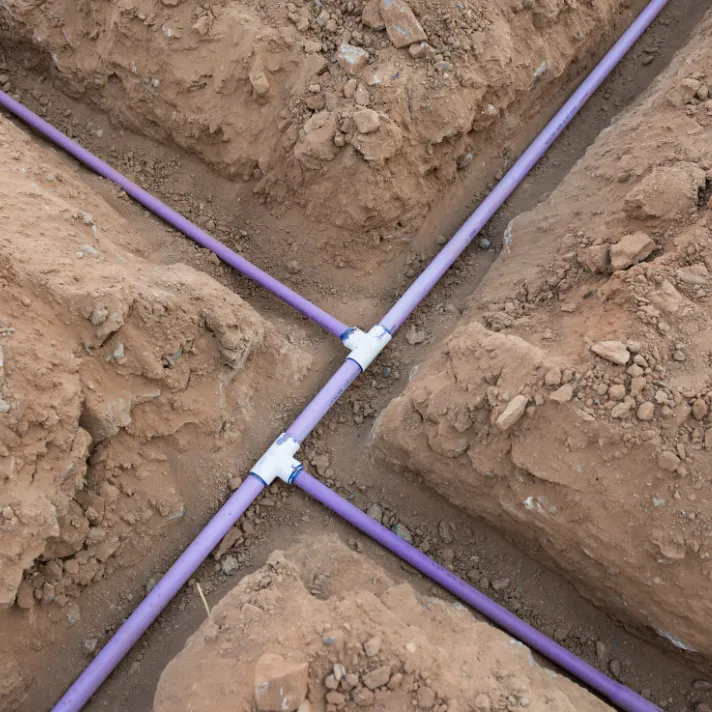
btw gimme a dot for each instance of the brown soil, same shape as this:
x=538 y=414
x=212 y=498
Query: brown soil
x=311 y=230
x=323 y=628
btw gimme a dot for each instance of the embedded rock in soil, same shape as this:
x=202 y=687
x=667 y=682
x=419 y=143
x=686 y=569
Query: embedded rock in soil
x=611 y=483
x=630 y=249
x=229 y=82
x=280 y=684
x=108 y=355
x=270 y=615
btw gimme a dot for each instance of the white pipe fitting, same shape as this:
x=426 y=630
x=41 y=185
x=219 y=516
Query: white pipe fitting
x=365 y=347
x=278 y=461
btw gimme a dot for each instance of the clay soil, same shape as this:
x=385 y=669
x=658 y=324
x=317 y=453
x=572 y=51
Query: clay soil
x=307 y=227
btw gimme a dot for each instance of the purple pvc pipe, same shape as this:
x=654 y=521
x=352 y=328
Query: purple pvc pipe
x=618 y=694
x=402 y=309
x=136 y=624
x=175 y=219
x=309 y=418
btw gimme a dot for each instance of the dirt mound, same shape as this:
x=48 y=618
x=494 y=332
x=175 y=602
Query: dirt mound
x=572 y=407
x=362 y=113
x=110 y=369
x=322 y=628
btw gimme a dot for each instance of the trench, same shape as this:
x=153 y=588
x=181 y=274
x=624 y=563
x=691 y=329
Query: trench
x=547 y=601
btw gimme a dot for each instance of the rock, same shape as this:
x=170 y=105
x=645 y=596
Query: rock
x=667 y=192
x=351 y=59
x=378 y=677
x=696 y=275
x=683 y=92
x=621 y=410
x=321 y=463
x=229 y=565
x=280 y=685
x=553 y=377
x=403 y=532
x=482 y=703
x=630 y=249
x=350 y=88
x=444 y=531
x=335 y=698
x=363 y=697
x=425 y=698
x=259 y=79
x=513 y=412
x=595 y=259
x=615 y=667
x=668 y=461
x=646 y=411
x=415 y=336
x=563 y=394
x=637 y=385
x=375 y=512
x=371 y=16
x=25 y=595
x=614 y=351
x=361 y=97
x=367 y=121
x=90 y=644
x=418 y=50
x=699 y=409
x=501 y=584
x=373 y=646
x=616 y=392
x=401 y=24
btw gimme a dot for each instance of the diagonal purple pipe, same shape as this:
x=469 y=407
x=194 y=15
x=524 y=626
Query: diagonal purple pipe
x=618 y=694
x=175 y=219
x=136 y=624
x=402 y=309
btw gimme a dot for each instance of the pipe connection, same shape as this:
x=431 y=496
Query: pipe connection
x=365 y=347
x=278 y=462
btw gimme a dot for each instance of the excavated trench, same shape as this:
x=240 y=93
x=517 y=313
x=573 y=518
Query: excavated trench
x=354 y=276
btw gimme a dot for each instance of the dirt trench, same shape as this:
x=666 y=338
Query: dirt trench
x=345 y=273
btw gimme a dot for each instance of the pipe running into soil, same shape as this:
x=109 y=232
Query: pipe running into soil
x=159 y=597
x=618 y=694
x=175 y=219
x=102 y=666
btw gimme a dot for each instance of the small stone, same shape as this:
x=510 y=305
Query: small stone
x=500 y=584
x=418 y=50
x=699 y=409
x=90 y=644
x=621 y=410
x=371 y=16
x=646 y=411
x=563 y=394
x=375 y=512
x=335 y=698
x=373 y=646
x=401 y=24
x=280 y=684
x=679 y=355
x=350 y=88
x=630 y=249
x=637 y=385
x=616 y=392
x=561 y=634
x=361 y=96
x=415 y=336
x=613 y=351
x=259 y=79
x=425 y=698
x=362 y=696
x=229 y=565
x=668 y=461
x=367 y=121
x=25 y=595
x=351 y=59
x=482 y=703
x=402 y=532
x=395 y=681
x=330 y=682
x=378 y=677
x=553 y=377
x=615 y=667
x=293 y=267
x=600 y=650
x=513 y=412
x=444 y=531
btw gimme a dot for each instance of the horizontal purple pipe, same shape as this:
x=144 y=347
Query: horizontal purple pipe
x=173 y=218
x=136 y=624
x=402 y=309
x=618 y=694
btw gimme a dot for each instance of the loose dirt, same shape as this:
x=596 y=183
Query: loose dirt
x=338 y=243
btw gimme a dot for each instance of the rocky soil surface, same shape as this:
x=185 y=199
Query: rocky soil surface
x=321 y=628
x=111 y=368
x=360 y=112
x=571 y=407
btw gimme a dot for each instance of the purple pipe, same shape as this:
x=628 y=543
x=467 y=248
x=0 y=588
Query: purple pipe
x=618 y=694
x=136 y=624
x=175 y=219
x=402 y=309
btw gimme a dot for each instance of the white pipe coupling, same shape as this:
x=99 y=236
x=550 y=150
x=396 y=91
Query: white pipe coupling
x=278 y=461
x=365 y=347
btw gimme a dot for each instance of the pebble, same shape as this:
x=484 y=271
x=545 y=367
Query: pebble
x=375 y=512
x=630 y=249
x=483 y=703
x=371 y=16
x=367 y=121
x=402 y=532
x=229 y=565
x=362 y=696
x=563 y=394
x=553 y=377
x=378 y=677
x=90 y=644
x=513 y=412
x=668 y=461
x=699 y=409
x=616 y=392
x=361 y=97
x=613 y=351
x=425 y=698
x=402 y=26
x=615 y=667
x=645 y=411
x=415 y=336
x=444 y=531
x=373 y=646
x=500 y=584
x=351 y=59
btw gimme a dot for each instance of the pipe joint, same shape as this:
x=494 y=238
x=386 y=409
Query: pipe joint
x=365 y=347
x=278 y=462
